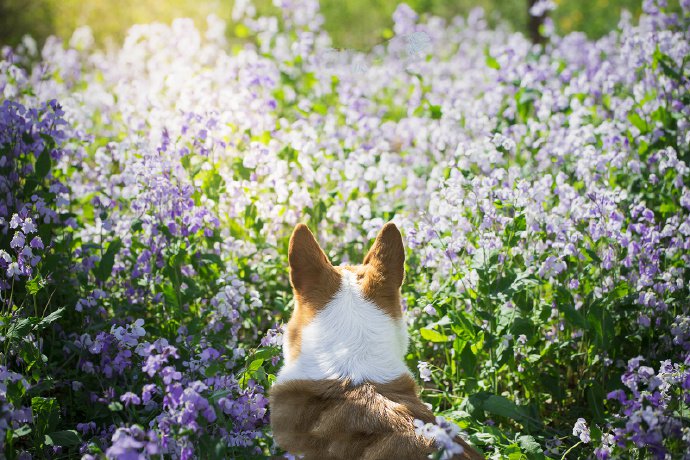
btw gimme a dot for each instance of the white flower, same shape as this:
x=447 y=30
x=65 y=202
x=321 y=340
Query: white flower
x=581 y=430
x=424 y=371
x=443 y=433
x=82 y=39
x=137 y=328
x=28 y=226
x=542 y=7
x=430 y=310
x=13 y=270
x=15 y=221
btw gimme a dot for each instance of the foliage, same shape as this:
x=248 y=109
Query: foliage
x=353 y=24
x=542 y=193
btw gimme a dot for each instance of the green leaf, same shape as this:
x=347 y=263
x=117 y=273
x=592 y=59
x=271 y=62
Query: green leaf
x=468 y=360
x=491 y=61
x=288 y=154
x=32 y=357
x=64 y=438
x=212 y=184
x=566 y=306
x=253 y=367
x=667 y=64
x=432 y=335
x=573 y=317
x=241 y=31
x=212 y=258
x=519 y=224
x=266 y=353
x=21 y=431
x=115 y=406
x=463 y=327
x=483 y=438
x=35 y=284
x=595 y=397
x=242 y=171
x=637 y=121
x=43 y=163
x=530 y=447
x=19 y=328
x=136 y=225
x=105 y=266
x=219 y=394
x=436 y=112
x=46 y=413
x=506 y=316
x=213 y=369
x=170 y=295
x=602 y=324
x=474 y=404
x=504 y=407
x=51 y=318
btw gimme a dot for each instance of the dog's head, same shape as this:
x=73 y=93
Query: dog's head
x=347 y=321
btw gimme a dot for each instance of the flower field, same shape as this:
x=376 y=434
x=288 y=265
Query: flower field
x=148 y=192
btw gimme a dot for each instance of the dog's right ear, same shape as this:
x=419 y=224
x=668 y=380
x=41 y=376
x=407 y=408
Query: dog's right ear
x=311 y=273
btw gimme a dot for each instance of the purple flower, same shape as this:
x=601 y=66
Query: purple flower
x=13 y=270
x=430 y=310
x=551 y=267
x=36 y=243
x=130 y=398
x=132 y=444
x=28 y=226
x=147 y=392
x=209 y=354
x=17 y=241
x=404 y=18
x=15 y=221
x=541 y=7
x=169 y=374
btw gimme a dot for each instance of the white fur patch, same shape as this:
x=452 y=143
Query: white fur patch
x=350 y=338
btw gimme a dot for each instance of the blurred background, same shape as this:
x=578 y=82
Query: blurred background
x=357 y=24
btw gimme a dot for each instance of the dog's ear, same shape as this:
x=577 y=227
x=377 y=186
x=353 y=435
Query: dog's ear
x=386 y=259
x=311 y=273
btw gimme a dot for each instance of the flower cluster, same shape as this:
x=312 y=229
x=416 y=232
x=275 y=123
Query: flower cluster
x=542 y=191
x=649 y=408
x=13 y=416
x=443 y=433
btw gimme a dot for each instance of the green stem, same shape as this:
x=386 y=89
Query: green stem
x=568 y=451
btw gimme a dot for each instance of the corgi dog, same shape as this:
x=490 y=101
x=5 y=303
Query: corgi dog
x=344 y=391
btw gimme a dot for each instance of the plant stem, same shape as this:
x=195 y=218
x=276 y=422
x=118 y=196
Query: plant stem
x=568 y=451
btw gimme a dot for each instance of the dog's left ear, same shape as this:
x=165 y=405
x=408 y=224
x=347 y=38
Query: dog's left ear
x=387 y=258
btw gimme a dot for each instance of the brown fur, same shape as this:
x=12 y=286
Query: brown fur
x=385 y=270
x=314 y=282
x=331 y=419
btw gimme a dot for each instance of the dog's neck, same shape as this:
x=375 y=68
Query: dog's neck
x=349 y=339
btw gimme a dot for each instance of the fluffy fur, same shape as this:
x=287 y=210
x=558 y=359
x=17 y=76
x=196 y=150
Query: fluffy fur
x=335 y=419
x=345 y=391
x=350 y=338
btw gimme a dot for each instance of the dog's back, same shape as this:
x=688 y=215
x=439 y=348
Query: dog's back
x=338 y=420
x=345 y=391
